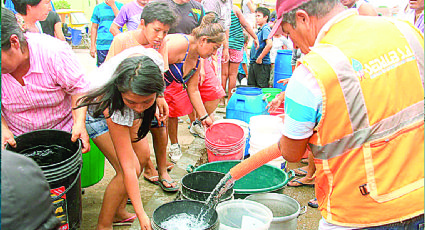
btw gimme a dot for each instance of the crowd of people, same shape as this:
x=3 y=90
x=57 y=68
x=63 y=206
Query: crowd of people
x=159 y=60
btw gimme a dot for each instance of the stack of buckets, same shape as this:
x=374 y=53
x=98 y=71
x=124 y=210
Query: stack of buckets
x=265 y=130
x=225 y=141
x=283 y=68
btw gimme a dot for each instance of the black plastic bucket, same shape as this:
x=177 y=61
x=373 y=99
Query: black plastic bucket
x=199 y=185
x=61 y=162
x=191 y=207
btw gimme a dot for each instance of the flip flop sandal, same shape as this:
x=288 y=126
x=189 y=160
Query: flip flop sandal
x=126 y=222
x=313 y=203
x=300 y=184
x=300 y=172
x=151 y=179
x=168 y=189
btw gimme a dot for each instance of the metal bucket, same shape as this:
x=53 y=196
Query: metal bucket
x=285 y=209
x=191 y=207
x=199 y=185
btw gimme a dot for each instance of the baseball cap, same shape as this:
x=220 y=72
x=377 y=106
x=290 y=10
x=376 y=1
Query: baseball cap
x=282 y=7
x=25 y=193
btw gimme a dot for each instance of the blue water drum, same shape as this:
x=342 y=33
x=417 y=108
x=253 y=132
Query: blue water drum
x=282 y=68
x=245 y=103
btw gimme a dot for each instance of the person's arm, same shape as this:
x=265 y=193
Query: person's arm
x=266 y=50
x=114 y=7
x=225 y=55
x=367 y=9
x=7 y=136
x=58 y=31
x=79 y=126
x=93 y=38
x=122 y=140
x=246 y=25
x=251 y=6
x=115 y=29
x=195 y=99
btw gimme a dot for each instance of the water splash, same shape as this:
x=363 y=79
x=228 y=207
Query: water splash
x=222 y=187
x=184 y=221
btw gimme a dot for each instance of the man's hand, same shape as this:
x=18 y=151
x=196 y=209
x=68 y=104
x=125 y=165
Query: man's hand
x=7 y=138
x=110 y=2
x=259 y=60
x=93 y=51
x=79 y=131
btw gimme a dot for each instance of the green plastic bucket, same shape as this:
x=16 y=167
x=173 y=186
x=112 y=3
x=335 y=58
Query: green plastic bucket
x=272 y=91
x=266 y=178
x=93 y=166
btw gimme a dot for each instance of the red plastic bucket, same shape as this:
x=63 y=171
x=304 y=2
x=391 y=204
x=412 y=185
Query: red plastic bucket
x=225 y=141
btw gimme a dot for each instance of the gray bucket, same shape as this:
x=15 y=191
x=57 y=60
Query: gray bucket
x=285 y=209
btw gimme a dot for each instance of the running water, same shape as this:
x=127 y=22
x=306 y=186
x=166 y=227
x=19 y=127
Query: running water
x=222 y=187
x=184 y=221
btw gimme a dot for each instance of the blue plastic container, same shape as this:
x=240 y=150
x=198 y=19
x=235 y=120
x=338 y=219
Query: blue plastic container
x=245 y=103
x=75 y=36
x=283 y=62
x=283 y=68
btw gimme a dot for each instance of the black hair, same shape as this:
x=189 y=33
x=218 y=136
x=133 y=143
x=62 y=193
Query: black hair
x=158 y=11
x=9 y=27
x=21 y=5
x=264 y=11
x=139 y=75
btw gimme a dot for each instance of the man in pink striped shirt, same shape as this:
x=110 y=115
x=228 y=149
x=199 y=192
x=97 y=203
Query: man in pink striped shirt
x=41 y=82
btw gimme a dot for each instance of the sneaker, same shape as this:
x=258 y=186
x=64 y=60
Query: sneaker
x=196 y=129
x=175 y=153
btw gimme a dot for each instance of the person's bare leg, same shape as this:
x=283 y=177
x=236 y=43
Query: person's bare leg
x=311 y=170
x=160 y=141
x=233 y=74
x=224 y=77
x=192 y=116
x=115 y=196
x=173 y=124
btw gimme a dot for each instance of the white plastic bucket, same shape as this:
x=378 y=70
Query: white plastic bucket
x=244 y=215
x=285 y=209
x=265 y=130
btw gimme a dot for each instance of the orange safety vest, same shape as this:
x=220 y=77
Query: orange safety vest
x=369 y=143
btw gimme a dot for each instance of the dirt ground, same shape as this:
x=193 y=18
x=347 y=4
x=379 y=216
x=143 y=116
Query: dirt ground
x=194 y=153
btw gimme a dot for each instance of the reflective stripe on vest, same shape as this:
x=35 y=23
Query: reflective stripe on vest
x=366 y=150
x=362 y=132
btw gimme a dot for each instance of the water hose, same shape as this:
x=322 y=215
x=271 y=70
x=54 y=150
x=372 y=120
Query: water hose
x=253 y=162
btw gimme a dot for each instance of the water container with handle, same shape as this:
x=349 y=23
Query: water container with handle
x=245 y=103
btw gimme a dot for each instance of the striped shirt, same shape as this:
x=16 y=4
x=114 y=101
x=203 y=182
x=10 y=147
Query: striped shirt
x=104 y=16
x=236 y=39
x=303 y=104
x=44 y=102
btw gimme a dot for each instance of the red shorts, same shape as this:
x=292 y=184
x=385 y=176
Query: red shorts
x=177 y=100
x=210 y=89
x=236 y=56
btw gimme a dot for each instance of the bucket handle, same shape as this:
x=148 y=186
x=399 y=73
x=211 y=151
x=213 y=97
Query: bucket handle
x=218 y=153
x=291 y=175
x=72 y=184
x=266 y=95
x=303 y=211
x=190 y=168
